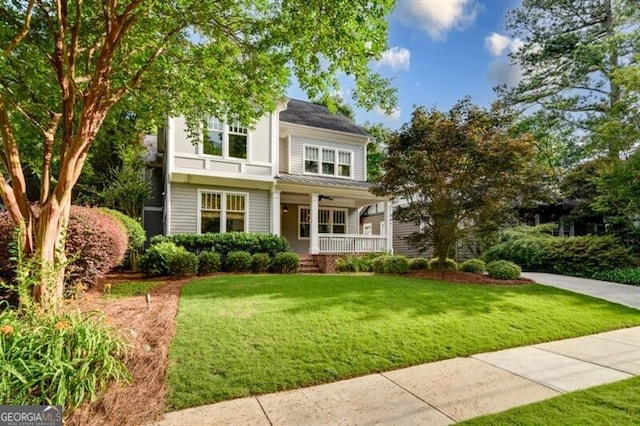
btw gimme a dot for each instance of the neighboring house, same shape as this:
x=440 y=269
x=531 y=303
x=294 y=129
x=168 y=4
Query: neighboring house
x=560 y=213
x=300 y=172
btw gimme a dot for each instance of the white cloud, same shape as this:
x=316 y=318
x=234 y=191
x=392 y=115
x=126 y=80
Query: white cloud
x=437 y=17
x=501 y=71
x=398 y=58
x=498 y=44
x=395 y=114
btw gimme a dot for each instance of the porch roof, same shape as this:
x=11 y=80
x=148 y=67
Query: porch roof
x=322 y=181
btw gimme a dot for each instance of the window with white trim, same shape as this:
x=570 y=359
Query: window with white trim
x=227 y=140
x=327 y=161
x=222 y=212
x=330 y=221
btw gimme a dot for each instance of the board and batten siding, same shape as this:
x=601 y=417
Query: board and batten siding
x=184 y=208
x=297 y=154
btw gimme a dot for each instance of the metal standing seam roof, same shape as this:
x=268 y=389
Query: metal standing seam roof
x=314 y=115
x=323 y=181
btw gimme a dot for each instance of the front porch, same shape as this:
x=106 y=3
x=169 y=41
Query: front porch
x=326 y=220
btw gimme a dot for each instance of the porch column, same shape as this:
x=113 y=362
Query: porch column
x=313 y=224
x=275 y=212
x=388 y=220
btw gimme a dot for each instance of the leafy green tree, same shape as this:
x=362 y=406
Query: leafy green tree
x=571 y=51
x=457 y=172
x=375 y=150
x=337 y=103
x=65 y=64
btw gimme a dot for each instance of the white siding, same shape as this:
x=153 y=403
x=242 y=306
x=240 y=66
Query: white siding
x=184 y=203
x=297 y=154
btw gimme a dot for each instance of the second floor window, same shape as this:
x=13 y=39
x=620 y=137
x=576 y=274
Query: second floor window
x=224 y=139
x=327 y=161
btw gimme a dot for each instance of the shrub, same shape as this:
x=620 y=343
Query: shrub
x=7 y=231
x=228 y=242
x=155 y=262
x=137 y=236
x=503 y=270
x=449 y=264
x=418 y=263
x=182 y=264
x=391 y=264
x=63 y=360
x=285 y=263
x=352 y=263
x=620 y=275
x=208 y=262
x=260 y=262
x=345 y=264
x=475 y=266
x=238 y=261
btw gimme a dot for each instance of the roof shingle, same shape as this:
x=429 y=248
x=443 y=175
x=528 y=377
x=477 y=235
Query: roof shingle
x=313 y=115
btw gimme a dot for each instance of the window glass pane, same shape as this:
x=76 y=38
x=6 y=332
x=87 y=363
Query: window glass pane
x=212 y=143
x=235 y=222
x=324 y=216
x=344 y=157
x=311 y=166
x=328 y=168
x=324 y=228
x=213 y=123
x=340 y=229
x=236 y=127
x=210 y=201
x=344 y=170
x=328 y=155
x=210 y=222
x=237 y=146
x=304 y=215
x=305 y=230
x=310 y=153
x=235 y=202
x=339 y=216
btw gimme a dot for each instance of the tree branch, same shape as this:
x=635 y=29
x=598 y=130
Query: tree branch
x=24 y=31
x=49 y=139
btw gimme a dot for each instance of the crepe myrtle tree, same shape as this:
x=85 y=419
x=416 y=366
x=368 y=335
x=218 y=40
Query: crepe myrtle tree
x=456 y=173
x=66 y=63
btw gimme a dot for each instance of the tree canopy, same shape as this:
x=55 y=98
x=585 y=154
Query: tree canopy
x=66 y=64
x=457 y=172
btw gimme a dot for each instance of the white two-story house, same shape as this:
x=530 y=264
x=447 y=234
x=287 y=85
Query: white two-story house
x=299 y=172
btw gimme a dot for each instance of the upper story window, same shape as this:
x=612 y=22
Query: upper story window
x=327 y=161
x=228 y=140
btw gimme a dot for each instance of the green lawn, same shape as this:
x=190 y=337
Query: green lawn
x=615 y=404
x=250 y=334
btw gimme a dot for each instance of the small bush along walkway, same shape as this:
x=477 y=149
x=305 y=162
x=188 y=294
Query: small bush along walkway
x=244 y=335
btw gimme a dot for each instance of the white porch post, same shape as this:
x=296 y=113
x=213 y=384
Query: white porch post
x=388 y=220
x=275 y=212
x=313 y=224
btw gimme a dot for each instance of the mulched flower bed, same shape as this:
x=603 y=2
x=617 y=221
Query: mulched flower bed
x=466 y=277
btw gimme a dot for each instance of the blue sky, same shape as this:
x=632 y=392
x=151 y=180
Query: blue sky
x=439 y=52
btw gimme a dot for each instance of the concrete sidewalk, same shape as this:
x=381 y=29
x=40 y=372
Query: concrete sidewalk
x=623 y=294
x=438 y=393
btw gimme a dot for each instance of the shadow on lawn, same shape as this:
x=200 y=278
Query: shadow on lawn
x=372 y=297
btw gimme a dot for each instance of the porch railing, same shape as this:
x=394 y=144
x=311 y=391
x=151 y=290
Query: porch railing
x=347 y=243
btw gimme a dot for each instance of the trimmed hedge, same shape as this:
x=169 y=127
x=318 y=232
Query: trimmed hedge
x=209 y=262
x=227 y=242
x=418 y=263
x=167 y=259
x=183 y=264
x=583 y=256
x=449 y=264
x=260 y=262
x=476 y=266
x=503 y=270
x=285 y=263
x=356 y=263
x=135 y=232
x=238 y=261
x=391 y=264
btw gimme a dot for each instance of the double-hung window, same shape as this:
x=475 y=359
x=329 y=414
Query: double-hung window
x=327 y=161
x=222 y=212
x=330 y=221
x=227 y=140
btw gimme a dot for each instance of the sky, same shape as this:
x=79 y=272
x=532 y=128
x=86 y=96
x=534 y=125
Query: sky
x=439 y=52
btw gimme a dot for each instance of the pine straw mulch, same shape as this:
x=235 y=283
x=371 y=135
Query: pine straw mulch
x=466 y=278
x=149 y=331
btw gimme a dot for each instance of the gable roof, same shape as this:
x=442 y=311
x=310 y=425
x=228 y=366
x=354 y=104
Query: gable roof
x=314 y=115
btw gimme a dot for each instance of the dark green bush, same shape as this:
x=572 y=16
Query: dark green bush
x=346 y=264
x=155 y=262
x=208 y=262
x=238 y=261
x=183 y=264
x=285 y=263
x=418 y=263
x=260 y=262
x=475 y=266
x=226 y=243
x=63 y=360
x=503 y=270
x=137 y=236
x=620 y=275
x=355 y=263
x=391 y=264
x=449 y=264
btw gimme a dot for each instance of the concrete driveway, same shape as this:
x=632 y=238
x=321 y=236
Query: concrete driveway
x=623 y=294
